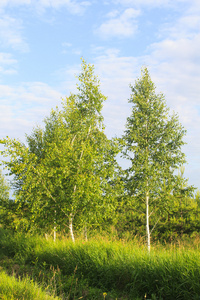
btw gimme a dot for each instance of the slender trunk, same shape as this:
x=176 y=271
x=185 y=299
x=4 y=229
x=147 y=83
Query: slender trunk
x=147 y=190
x=85 y=233
x=54 y=229
x=71 y=227
x=54 y=234
x=147 y=222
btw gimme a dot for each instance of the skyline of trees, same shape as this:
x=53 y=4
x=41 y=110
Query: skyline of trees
x=67 y=174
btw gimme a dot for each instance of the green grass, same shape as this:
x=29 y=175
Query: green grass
x=11 y=289
x=103 y=269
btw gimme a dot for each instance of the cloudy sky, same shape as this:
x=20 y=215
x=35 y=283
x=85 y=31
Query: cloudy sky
x=42 y=41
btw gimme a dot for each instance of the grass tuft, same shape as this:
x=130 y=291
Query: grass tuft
x=11 y=288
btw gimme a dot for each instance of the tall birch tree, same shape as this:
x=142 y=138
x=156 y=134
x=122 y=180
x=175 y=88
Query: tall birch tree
x=152 y=143
x=66 y=173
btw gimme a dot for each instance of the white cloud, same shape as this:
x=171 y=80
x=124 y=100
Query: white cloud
x=66 y=45
x=187 y=26
x=112 y=14
x=142 y=2
x=75 y=7
x=4 y=3
x=38 y=92
x=123 y=25
x=180 y=50
x=10 y=34
x=151 y=3
x=176 y=61
x=23 y=107
x=7 y=64
x=111 y=65
x=67 y=48
x=188 y=23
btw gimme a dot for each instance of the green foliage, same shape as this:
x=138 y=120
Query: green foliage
x=197 y=198
x=152 y=143
x=7 y=207
x=4 y=188
x=68 y=171
x=181 y=219
x=66 y=175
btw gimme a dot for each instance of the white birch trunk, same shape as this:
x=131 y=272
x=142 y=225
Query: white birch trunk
x=147 y=196
x=54 y=229
x=54 y=234
x=147 y=222
x=71 y=228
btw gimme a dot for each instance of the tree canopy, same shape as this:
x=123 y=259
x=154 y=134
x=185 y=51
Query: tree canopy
x=67 y=174
x=152 y=143
x=68 y=169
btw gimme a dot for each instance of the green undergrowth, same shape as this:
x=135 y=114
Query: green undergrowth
x=103 y=269
x=13 y=289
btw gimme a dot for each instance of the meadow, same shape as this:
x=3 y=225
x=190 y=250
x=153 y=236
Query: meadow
x=33 y=267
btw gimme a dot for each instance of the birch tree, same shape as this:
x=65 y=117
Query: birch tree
x=152 y=143
x=66 y=173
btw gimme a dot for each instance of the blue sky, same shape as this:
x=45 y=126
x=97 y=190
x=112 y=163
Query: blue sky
x=42 y=41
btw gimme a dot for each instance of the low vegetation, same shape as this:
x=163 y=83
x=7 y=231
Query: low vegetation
x=11 y=288
x=97 y=269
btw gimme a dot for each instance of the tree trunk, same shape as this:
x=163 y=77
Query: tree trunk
x=71 y=227
x=54 y=234
x=85 y=233
x=147 y=222
x=54 y=229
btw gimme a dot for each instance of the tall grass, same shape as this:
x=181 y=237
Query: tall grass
x=11 y=289
x=103 y=269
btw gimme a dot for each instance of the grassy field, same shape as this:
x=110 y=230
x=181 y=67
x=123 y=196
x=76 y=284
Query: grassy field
x=37 y=268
